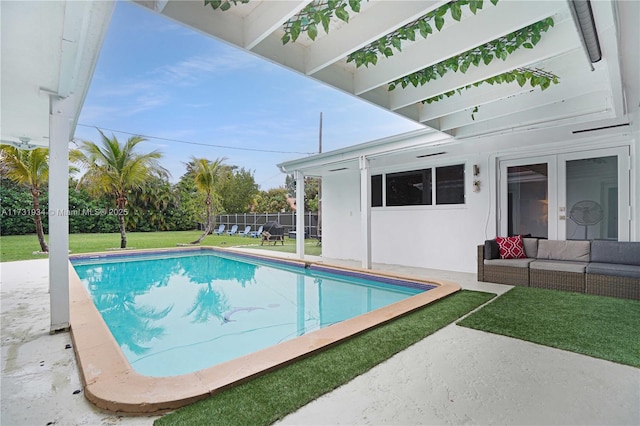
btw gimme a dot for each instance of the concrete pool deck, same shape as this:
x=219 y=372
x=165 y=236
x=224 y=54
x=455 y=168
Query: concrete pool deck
x=454 y=376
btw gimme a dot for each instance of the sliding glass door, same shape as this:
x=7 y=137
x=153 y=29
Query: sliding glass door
x=576 y=196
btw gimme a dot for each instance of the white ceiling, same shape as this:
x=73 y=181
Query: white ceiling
x=601 y=93
x=49 y=48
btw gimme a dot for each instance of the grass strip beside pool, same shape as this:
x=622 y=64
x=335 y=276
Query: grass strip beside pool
x=601 y=327
x=274 y=395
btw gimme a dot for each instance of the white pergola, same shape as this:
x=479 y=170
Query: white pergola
x=50 y=48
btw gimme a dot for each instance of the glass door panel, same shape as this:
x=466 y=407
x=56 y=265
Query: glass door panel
x=594 y=195
x=528 y=200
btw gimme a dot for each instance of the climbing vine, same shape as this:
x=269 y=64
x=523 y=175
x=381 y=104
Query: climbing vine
x=223 y=4
x=315 y=14
x=422 y=26
x=502 y=47
x=535 y=77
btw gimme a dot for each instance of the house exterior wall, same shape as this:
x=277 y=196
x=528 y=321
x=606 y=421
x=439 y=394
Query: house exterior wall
x=442 y=237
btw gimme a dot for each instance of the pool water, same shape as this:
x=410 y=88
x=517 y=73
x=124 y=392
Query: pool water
x=179 y=313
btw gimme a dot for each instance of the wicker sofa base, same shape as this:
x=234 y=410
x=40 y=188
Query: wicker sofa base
x=506 y=275
x=606 y=285
x=557 y=280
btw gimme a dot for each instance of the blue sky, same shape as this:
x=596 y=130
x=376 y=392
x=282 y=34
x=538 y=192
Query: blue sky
x=157 y=78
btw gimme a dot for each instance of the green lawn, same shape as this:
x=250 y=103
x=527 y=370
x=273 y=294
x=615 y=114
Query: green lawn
x=601 y=327
x=272 y=396
x=21 y=247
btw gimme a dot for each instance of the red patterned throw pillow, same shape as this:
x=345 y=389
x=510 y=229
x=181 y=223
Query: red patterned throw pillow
x=511 y=247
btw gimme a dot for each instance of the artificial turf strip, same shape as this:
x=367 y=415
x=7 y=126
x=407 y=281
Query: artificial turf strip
x=274 y=395
x=597 y=326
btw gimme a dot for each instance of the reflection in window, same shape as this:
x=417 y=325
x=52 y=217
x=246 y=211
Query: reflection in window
x=409 y=188
x=450 y=184
x=376 y=191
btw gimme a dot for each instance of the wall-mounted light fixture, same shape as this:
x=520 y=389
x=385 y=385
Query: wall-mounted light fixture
x=476 y=179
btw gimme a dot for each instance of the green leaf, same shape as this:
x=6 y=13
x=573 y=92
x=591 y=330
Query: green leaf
x=326 y=21
x=395 y=42
x=342 y=14
x=439 y=20
x=296 y=27
x=286 y=38
x=527 y=45
x=494 y=2
x=387 y=52
x=225 y=6
x=535 y=38
x=411 y=34
x=465 y=65
x=473 y=6
x=355 y=5
x=392 y=86
x=456 y=11
x=440 y=69
x=487 y=58
x=332 y=4
x=312 y=31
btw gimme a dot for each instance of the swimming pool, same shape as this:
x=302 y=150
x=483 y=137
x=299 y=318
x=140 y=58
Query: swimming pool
x=176 y=313
x=112 y=383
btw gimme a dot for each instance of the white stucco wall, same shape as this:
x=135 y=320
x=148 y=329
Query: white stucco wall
x=440 y=237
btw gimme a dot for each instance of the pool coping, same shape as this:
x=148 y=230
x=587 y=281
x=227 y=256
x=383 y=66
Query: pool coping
x=111 y=383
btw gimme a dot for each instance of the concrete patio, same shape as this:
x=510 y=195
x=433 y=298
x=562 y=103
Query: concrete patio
x=455 y=376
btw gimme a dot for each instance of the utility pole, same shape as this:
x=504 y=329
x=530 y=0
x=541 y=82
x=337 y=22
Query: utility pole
x=319 y=225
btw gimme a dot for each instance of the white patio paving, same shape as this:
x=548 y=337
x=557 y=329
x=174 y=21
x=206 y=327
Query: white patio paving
x=455 y=376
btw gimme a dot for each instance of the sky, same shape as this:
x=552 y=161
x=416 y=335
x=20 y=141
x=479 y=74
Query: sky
x=191 y=95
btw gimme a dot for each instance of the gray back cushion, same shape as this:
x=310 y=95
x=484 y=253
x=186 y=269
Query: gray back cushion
x=619 y=252
x=491 y=250
x=577 y=251
x=530 y=247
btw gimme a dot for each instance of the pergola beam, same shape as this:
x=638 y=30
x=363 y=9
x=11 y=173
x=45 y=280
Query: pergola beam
x=267 y=18
x=558 y=40
x=489 y=24
x=366 y=27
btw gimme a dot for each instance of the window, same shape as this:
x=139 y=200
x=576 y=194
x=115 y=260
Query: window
x=450 y=184
x=409 y=188
x=376 y=191
x=414 y=188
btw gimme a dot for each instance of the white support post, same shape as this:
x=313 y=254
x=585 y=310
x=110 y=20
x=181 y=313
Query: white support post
x=365 y=211
x=60 y=128
x=299 y=214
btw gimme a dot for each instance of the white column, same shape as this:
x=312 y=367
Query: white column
x=299 y=213
x=365 y=211
x=60 y=128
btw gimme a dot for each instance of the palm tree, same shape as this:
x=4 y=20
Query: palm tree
x=114 y=169
x=206 y=175
x=30 y=169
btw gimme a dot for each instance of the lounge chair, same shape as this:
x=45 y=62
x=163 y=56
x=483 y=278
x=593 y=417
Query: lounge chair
x=233 y=230
x=256 y=234
x=246 y=231
x=218 y=231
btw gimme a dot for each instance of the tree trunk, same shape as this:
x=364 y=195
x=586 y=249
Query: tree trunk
x=38 y=220
x=207 y=228
x=121 y=202
x=123 y=232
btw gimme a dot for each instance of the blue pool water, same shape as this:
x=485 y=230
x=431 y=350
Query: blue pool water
x=177 y=313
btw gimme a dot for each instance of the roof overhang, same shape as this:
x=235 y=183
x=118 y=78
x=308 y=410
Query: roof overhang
x=49 y=49
x=605 y=91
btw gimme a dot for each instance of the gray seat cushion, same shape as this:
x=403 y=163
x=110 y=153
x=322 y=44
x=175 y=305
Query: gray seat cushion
x=620 y=252
x=575 y=251
x=514 y=263
x=559 y=265
x=530 y=247
x=613 y=269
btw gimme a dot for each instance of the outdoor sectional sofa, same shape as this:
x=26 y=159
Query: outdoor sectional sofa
x=606 y=268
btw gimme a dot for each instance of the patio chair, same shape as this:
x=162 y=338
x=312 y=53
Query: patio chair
x=233 y=230
x=256 y=234
x=246 y=231
x=218 y=231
